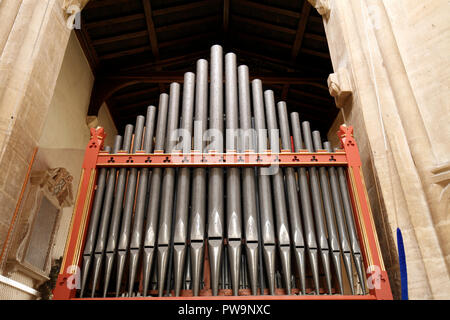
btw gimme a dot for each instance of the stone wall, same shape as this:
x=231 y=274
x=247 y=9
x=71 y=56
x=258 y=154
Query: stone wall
x=392 y=53
x=44 y=96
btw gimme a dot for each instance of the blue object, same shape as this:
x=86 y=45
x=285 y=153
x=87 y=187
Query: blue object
x=402 y=262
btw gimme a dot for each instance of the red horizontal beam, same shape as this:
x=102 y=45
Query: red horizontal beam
x=284 y=159
x=264 y=297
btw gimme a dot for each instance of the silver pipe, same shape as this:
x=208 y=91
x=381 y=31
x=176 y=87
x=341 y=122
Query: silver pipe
x=333 y=239
x=294 y=206
x=318 y=209
x=138 y=223
x=128 y=206
x=168 y=184
x=265 y=196
x=248 y=181
x=279 y=193
x=93 y=225
x=198 y=210
x=106 y=214
x=340 y=220
x=117 y=211
x=305 y=199
x=234 y=213
x=183 y=184
x=151 y=228
x=216 y=188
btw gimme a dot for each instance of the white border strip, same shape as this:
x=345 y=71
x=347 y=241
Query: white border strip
x=18 y=285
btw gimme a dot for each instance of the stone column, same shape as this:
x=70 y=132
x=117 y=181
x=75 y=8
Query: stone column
x=394 y=144
x=33 y=40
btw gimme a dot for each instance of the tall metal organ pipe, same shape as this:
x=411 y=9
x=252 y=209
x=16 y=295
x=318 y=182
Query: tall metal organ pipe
x=128 y=206
x=136 y=235
x=340 y=221
x=234 y=213
x=279 y=193
x=248 y=180
x=216 y=188
x=183 y=183
x=294 y=206
x=333 y=238
x=305 y=199
x=111 y=247
x=105 y=217
x=354 y=242
x=265 y=197
x=151 y=227
x=93 y=225
x=198 y=201
x=167 y=195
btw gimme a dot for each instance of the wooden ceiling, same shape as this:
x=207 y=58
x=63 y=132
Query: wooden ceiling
x=137 y=47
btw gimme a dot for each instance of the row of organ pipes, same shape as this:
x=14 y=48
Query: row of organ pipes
x=262 y=229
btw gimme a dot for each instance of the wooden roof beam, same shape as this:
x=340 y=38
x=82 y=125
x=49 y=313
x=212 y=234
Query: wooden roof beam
x=121 y=37
x=303 y=21
x=268 y=8
x=108 y=22
x=184 y=7
x=151 y=28
x=187 y=24
x=263 y=25
x=124 y=53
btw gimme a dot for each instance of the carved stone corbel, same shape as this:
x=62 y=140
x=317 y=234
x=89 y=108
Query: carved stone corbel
x=340 y=87
x=67 y=4
x=322 y=6
x=92 y=121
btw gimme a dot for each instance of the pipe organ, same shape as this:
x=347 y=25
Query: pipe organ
x=219 y=191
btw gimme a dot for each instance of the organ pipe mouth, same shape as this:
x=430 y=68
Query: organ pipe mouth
x=208 y=230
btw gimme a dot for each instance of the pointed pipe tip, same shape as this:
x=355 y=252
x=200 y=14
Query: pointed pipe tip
x=253 y=262
x=338 y=269
x=313 y=258
x=97 y=266
x=85 y=273
x=179 y=252
x=163 y=256
x=215 y=247
x=269 y=257
x=121 y=255
x=285 y=255
x=146 y=268
x=234 y=254
x=326 y=267
x=134 y=256
x=196 y=251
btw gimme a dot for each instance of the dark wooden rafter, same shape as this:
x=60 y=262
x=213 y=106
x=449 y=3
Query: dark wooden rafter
x=151 y=28
x=152 y=37
x=122 y=37
x=109 y=22
x=272 y=9
x=302 y=22
x=176 y=42
x=187 y=24
x=184 y=7
x=299 y=36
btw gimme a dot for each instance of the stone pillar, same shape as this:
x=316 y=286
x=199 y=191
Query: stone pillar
x=395 y=146
x=33 y=40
